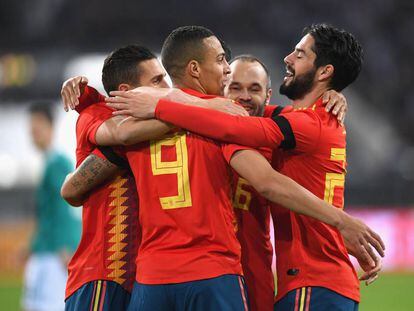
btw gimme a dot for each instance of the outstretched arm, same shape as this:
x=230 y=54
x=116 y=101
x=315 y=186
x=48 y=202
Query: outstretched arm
x=92 y=172
x=140 y=102
x=247 y=131
x=284 y=191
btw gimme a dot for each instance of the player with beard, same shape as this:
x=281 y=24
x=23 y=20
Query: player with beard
x=250 y=85
x=314 y=270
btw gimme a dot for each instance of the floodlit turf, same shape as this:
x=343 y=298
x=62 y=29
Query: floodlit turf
x=391 y=292
x=10 y=292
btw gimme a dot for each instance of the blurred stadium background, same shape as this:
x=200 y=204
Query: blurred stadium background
x=44 y=42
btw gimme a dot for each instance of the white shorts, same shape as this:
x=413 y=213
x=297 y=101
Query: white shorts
x=44 y=283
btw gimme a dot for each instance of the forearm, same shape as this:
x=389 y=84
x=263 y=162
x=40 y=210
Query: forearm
x=132 y=131
x=248 y=131
x=281 y=189
x=91 y=173
x=287 y=193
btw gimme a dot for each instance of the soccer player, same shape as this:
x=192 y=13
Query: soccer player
x=250 y=85
x=102 y=271
x=312 y=262
x=57 y=228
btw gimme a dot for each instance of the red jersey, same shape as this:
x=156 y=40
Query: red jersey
x=110 y=230
x=253 y=220
x=186 y=214
x=313 y=148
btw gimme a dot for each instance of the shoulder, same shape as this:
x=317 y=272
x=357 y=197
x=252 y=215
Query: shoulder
x=95 y=113
x=95 y=110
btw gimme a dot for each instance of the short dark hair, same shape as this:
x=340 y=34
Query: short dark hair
x=227 y=49
x=181 y=46
x=121 y=66
x=43 y=108
x=252 y=59
x=338 y=48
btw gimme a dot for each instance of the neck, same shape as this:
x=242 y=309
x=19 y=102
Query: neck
x=310 y=98
x=189 y=84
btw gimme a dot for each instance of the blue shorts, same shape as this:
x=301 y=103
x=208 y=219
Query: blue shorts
x=315 y=299
x=100 y=295
x=226 y=292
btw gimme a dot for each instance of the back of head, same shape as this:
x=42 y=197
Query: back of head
x=338 y=48
x=121 y=66
x=181 y=46
x=44 y=109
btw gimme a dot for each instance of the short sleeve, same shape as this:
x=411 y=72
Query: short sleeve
x=230 y=149
x=91 y=118
x=89 y=97
x=301 y=130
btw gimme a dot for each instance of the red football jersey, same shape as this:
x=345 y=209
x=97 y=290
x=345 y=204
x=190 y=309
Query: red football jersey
x=313 y=148
x=110 y=231
x=186 y=214
x=253 y=220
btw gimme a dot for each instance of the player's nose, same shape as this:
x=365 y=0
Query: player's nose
x=288 y=59
x=244 y=94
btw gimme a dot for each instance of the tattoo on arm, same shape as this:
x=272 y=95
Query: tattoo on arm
x=93 y=171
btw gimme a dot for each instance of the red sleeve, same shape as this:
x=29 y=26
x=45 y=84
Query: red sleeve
x=268 y=111
x=90 y=96
x=91 y=118
x=247 y=131
x=98 y=153
x=230 y=149
x=301 y=130
x=275 y=110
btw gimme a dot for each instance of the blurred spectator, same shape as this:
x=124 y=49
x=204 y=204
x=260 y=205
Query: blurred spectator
x=57 y=228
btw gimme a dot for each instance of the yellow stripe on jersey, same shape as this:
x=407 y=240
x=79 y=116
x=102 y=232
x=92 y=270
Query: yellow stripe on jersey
x=302 y=298
x=97 y=296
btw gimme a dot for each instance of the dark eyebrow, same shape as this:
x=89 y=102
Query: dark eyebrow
x=300 y=50
x=234 y=83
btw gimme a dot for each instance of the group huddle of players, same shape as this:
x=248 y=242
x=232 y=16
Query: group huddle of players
x=178 y=184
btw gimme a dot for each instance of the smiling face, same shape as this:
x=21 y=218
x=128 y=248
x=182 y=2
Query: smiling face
x=300 y=70
x=214 y=69
x=248 y=85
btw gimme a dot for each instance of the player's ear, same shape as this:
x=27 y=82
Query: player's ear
x=124 y=87
x=193 y=68
x=325 y=72
x=268 y=96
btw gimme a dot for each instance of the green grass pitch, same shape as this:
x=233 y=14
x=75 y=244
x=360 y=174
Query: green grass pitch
x=390 y=292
